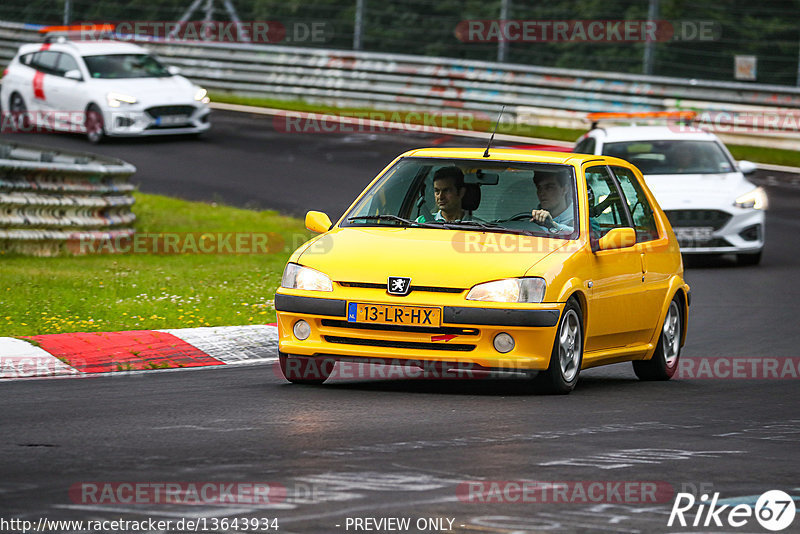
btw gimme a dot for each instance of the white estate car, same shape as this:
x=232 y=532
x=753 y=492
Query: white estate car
x=712 y=207
x=101 y=88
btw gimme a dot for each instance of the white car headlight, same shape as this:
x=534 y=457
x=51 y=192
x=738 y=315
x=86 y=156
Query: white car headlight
x=116 y=99
x=755 y=199
x=509 y=290
x=202 y=96
x=298 y=277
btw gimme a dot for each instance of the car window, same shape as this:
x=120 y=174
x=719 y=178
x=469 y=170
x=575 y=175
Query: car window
x=585 y=146
x=66 y=63
x=125 y=66
x=672 y=156
x=45 y=61
x=641 y=212
x=606 y=210
x=498 y=194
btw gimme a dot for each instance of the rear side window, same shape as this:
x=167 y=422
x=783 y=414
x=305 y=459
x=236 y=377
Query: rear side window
x=46 y=61
x=641 y=211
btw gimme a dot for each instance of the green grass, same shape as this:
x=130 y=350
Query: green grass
x=104 y=292
x=775 y=156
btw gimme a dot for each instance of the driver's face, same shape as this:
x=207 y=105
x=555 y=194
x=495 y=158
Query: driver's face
x=551 y=194
x=448 y=197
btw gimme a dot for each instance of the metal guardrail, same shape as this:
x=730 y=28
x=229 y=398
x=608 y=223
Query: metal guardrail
x=545 y=96
x=52 y=201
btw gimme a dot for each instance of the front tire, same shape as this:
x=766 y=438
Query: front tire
x=567 y=356
x=664 y=363
x=95 y=125
x=305 y=370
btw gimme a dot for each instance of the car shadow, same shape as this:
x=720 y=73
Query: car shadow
x=709 y=261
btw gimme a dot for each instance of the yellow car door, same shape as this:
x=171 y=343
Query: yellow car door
x=615 y=318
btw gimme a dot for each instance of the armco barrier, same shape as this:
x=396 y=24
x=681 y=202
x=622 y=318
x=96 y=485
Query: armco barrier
x=546 y=96
x=49 y=199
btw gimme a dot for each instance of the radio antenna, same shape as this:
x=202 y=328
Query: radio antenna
x=486 y=154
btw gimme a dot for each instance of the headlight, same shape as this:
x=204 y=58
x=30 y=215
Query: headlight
x=202 y=96
x=509 y=290
x=114 y=99
x=298 y=277
x=755 y=199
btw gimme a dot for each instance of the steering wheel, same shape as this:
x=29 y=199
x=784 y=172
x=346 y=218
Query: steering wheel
x=518 y=217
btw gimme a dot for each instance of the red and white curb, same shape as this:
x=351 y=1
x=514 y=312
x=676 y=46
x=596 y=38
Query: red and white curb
x=92 y=353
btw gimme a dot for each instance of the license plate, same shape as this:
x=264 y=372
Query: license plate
x=172 y=120
x=694 y=233
x=386 y=314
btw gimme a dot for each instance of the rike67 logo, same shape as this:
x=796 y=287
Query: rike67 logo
x=774 y=510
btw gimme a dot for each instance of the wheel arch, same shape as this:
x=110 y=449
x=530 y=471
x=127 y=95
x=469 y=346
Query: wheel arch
x=677 y=288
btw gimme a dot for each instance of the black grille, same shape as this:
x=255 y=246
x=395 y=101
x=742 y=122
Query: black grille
x=430 y=289
x=166 y=111
x=717 y=242
x=715 y=219
x=400 y=344
x=403 y=328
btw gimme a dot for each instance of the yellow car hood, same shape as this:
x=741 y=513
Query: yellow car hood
x=442 y=258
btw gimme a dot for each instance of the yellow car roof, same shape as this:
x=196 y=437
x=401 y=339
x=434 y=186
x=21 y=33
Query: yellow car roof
x=507 y=154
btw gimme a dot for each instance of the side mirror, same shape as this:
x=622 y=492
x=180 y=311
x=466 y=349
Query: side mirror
x=172 y=69
x=618 y=238
x=73 y=74
x=318 y=222
x=747 y=167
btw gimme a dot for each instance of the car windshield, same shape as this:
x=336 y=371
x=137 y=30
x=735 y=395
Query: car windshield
x=125 y=66
x=672 y=157
x=496 y=197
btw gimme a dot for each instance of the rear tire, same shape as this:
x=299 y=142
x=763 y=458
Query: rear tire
x=567 y=356
x=664 y=363
x=19 y=111
x=305 y=370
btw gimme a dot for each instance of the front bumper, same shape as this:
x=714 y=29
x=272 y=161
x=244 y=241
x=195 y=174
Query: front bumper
x=739 y=231
x=465 y=337
x=157 y=120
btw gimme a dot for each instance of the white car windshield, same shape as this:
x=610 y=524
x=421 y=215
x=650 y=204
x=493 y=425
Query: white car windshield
x=672 y=157
x=495 y=197
x=125 y=66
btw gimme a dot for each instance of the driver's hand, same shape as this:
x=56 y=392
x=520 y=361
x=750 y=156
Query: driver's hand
x=542 y=218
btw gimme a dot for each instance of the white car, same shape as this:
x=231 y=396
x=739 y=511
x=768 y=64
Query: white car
x=712 y=207
x=101 y=88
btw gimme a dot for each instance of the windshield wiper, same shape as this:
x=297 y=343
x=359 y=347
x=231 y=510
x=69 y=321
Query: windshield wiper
x=406 y=222
x=489 y=227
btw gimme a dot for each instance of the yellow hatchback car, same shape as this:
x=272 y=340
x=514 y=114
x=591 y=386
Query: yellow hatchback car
x=543 y=263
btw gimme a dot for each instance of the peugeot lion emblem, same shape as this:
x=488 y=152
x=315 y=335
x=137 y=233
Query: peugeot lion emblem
x=398 y=285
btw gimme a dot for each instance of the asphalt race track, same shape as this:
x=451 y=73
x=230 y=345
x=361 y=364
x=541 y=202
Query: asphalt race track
x=447 y=455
